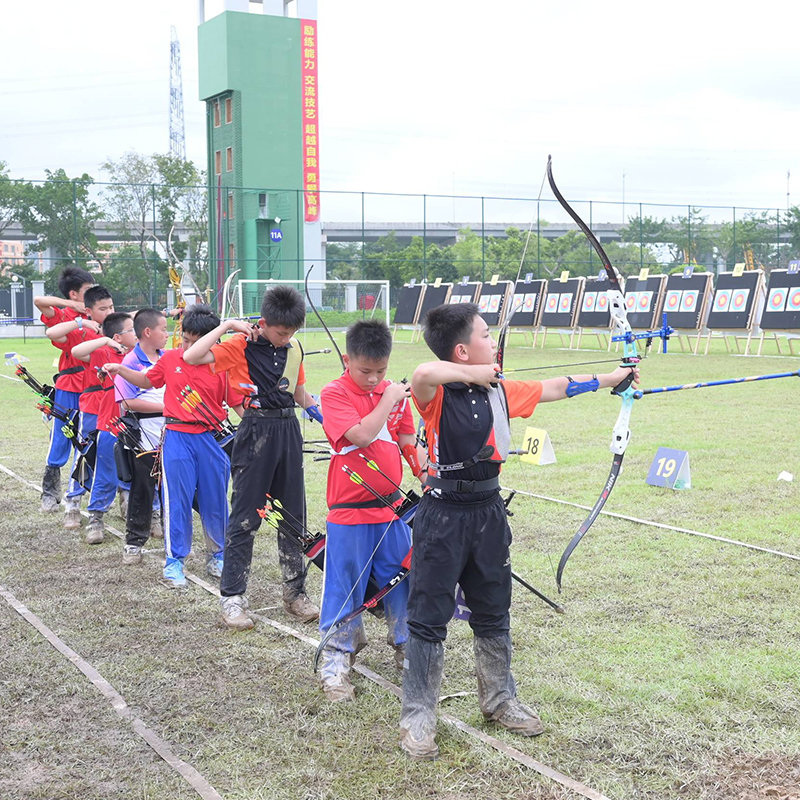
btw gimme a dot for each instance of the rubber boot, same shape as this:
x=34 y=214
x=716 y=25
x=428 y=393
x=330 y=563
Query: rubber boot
x=334 y=671
x=422 y=677
x=497 y=691
x=72 y=513
x=51 y=489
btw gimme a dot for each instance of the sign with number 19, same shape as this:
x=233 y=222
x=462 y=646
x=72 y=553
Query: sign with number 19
x=670 y=469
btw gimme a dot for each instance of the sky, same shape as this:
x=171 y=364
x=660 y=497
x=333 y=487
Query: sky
x=655 y=103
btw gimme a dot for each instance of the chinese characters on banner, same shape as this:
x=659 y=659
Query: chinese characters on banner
x=310 y=121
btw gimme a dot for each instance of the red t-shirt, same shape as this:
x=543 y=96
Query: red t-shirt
x=344 y=405
x=180 y=379
x=75 y=381
x=107 y=405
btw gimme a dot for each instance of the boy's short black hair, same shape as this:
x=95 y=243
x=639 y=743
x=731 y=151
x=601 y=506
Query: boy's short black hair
x=94 y=294
x=446 y=326
x=199 y=319
x=114 y=323
x=284 y=306
x=71 y=280
x=369 y=338
x=145 y=318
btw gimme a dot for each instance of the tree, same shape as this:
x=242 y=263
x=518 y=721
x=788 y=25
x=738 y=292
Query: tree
x=9 y=198
x=147 y=198
x=61 y=214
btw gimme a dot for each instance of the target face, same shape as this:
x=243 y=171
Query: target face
x=672 y=301
x=602 y=302
x=494 y=303
x=689 y=300
x=565 y=303
x=454 y=299
x=722 y=299
x=589 y=300
x=552 y=302
x=739 y=299
x=530 y=302
x=631 y=300
x=777 y=299
x=483 y=304
x=793 y=299
x=645 y=300
x=517 y=301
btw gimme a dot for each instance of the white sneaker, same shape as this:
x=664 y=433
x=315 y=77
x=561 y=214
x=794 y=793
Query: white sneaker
x=72 y=515
x=132 y=554
x=234 y=612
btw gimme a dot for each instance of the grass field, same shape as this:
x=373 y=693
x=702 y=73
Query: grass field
x=674 y=672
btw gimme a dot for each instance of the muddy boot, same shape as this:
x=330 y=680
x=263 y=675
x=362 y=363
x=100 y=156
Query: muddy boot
x=156 y=525
x=72 y=514
x=422 y=676
x=497 y=692
x=334 y=669
x=94 y=530
x=299 y=606
x=399 y=651
x=51 y=489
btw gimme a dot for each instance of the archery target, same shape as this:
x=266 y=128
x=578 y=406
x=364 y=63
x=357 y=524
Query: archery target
x=483 y=304
x=631 y=300
x=689 y=300
x=494 y=303
x=645 y=301
x=793 y=299
x=454 y=298
x=722 y=299
x=777 y=299
x=672 y=302
x=602 y=301
x=565 y=303
x=589 y=300
x=739 y=300
x=518 y=301
x=530 y=302
x=552 y=303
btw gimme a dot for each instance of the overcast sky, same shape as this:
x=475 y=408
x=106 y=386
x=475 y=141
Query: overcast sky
x=682 y=102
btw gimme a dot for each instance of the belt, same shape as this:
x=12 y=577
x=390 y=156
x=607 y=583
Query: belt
x=269 y=412
x=177 y=421
x=462 y=487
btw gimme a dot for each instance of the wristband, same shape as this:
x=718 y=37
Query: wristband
x=314 y=413
x=409 y=452
x=79 y=323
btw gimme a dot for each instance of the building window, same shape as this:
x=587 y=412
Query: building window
x=228 y=110
x=217 y=162
x=230 y=205
x=216 y=114
x=229 y=159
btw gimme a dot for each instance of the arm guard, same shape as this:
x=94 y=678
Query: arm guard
x=574 y=387
x=409 y=452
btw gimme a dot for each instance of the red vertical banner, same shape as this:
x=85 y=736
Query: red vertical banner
x=310 y=97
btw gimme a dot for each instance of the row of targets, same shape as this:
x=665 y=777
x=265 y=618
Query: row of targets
x=736 y=300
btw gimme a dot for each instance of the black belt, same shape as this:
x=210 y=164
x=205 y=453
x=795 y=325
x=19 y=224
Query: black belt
x=462 y=487
x=176 y=421
x=269 y=412
x=389 y=498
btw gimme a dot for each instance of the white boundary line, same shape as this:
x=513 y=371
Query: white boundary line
x=190 y=773
x=654 y=524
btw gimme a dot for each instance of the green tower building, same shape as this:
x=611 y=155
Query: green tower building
x=258 y=78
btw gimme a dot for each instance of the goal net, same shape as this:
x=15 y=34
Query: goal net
x=339 y=303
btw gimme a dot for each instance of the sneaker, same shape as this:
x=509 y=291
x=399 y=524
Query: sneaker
x=122 y=499
x=234 y=612
x=424 y=749
x=72 y=516
x=519 y=718
x=334 y=669
x=214 y=565
x=156 y=530
x=302 y=608
x=132 y=554
x=94 y=530
x=173 y=574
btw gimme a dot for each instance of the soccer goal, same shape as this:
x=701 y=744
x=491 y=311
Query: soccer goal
x=339 y=303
